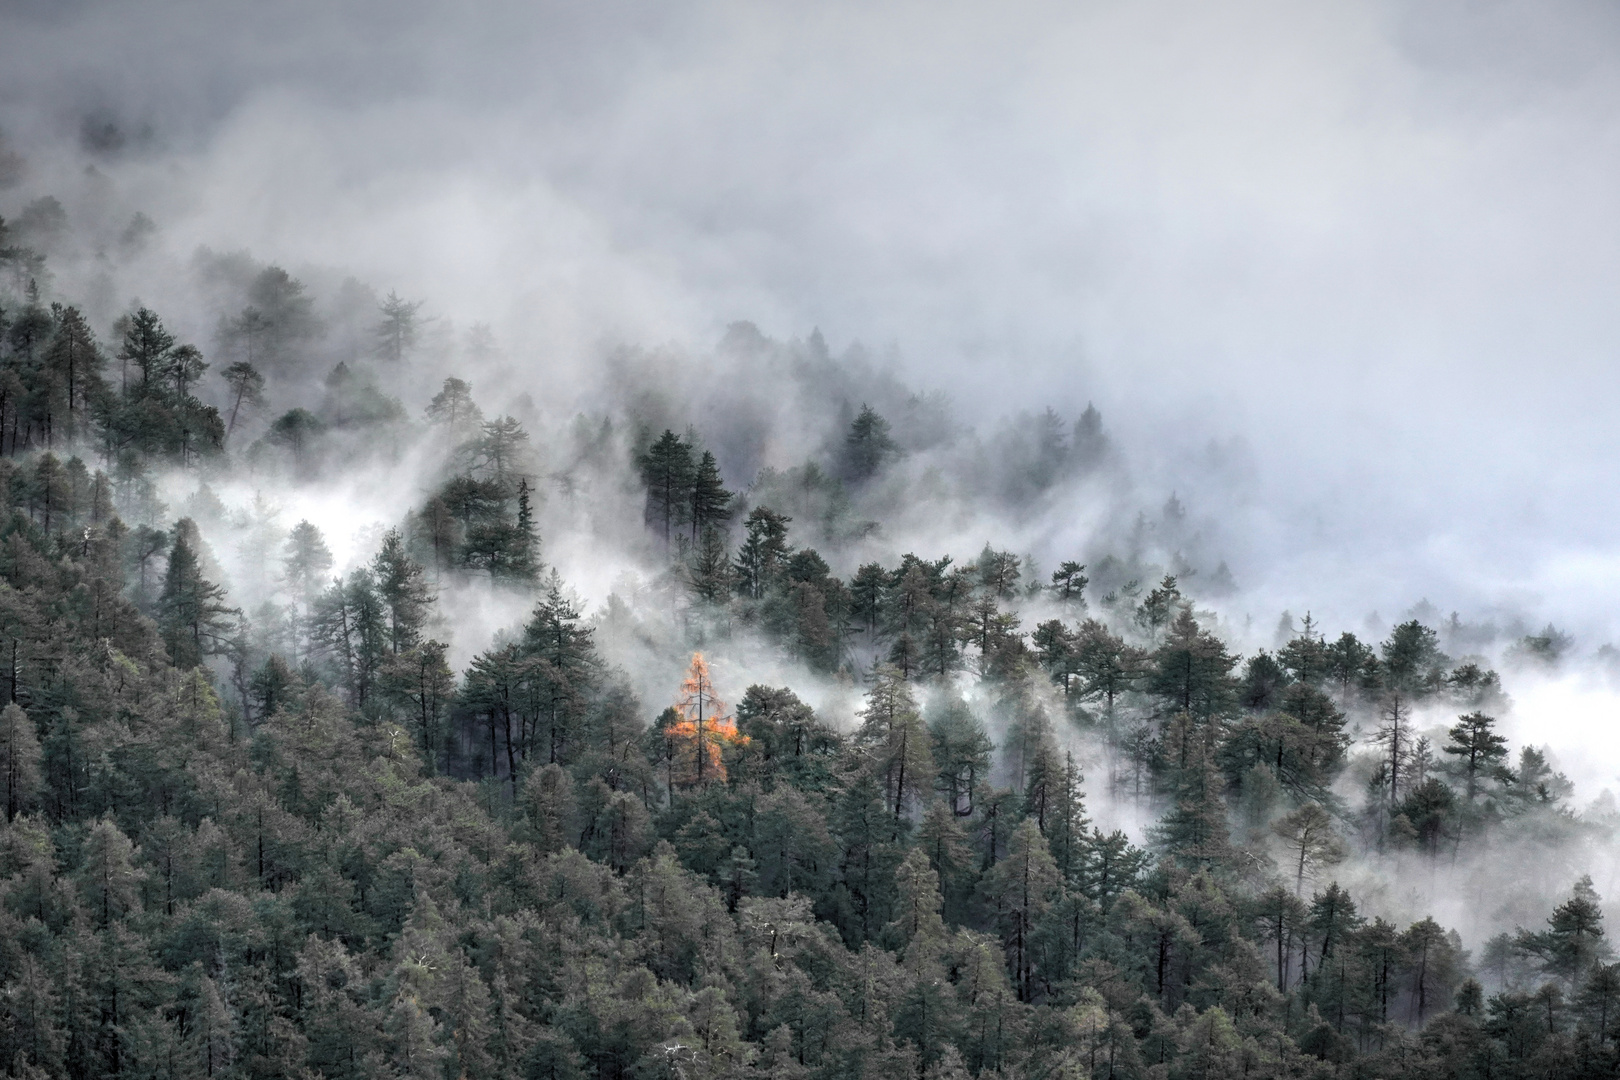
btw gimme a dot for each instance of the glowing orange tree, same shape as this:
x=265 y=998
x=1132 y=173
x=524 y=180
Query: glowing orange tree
x=702 y=731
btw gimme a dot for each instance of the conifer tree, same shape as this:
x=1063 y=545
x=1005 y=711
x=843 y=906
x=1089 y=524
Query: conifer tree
x=709 y=573
x=19 y=760
x=562 y=646
x=961 y=753
x=710 y=501
x=246 y=388
x=1069 y=582
x=110 y=880
x=1067 y=824
x=868 y=446
x=1192 y=670
x=1311 y=841
x=764 y=551
x=1479 y=751
x=896 y=740
x=454 y=407
x=1574 y=940
x=422 y=683
x=667 y=471
x=398 y=330
x=403 y=588
x=523 y=563
x=306 y=560
x=77 y=360
x=1022 y=887
x=146 y=345
x=499 y=448
x=1195 y=830
x=702 y=732
x=191 y=609
x=1394 y=734
x=867 y=589
x=1160 y=607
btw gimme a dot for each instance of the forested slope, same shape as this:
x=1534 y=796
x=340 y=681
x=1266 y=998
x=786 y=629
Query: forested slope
x=287 y=838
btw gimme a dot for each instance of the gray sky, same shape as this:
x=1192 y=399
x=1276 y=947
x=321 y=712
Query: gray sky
x=1376 y=242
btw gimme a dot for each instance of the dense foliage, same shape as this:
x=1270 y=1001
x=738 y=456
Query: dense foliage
x=295 y=842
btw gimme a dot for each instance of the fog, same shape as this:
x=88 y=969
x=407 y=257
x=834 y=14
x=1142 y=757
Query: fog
x=1374 y=242
x=1341 y=277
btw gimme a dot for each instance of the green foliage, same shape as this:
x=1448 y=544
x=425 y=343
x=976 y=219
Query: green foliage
x=300 y=842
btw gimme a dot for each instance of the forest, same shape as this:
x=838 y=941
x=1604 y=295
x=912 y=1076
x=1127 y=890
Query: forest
x=786 y=802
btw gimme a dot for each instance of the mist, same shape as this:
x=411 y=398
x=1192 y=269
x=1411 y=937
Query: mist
x=1374 y=245
x=1338 y=279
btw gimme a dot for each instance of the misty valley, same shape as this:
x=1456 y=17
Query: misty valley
x=381 y=704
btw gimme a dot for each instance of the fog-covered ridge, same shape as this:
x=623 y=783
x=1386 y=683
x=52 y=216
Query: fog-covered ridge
x=778 y=543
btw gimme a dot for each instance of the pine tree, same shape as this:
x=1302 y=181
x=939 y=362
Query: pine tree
x=1478 y=749
x=1574 y=940
x=19 y=760
x=1067 y=824
x=896 y=741
x=422 y=683
x=868 y=446
x=77 y=361
x=1106 y=666
x=1160 y=607
x=1412 y=660
x=917 y=926
x=246 y=388
x=764 y=551
x=146 y=345
x=499 y=448
x=306 y=560
x=403 y=588
x=349 y=626
x=999 y=572
x=710 y=502
x=1043 y=780
x=1311 y=841
x=1022 y=887
x=398 y=330
x=1069 y=582
x=1394 y=734
x=523 y=563
x=454 y=407
x=109 y=879
x=191 y=609
x=565 y=665
x=1192 y=670
x=1195 y=831
x=709 y=574
x=961 y=753
x=667 y=471
x=1055 y=645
